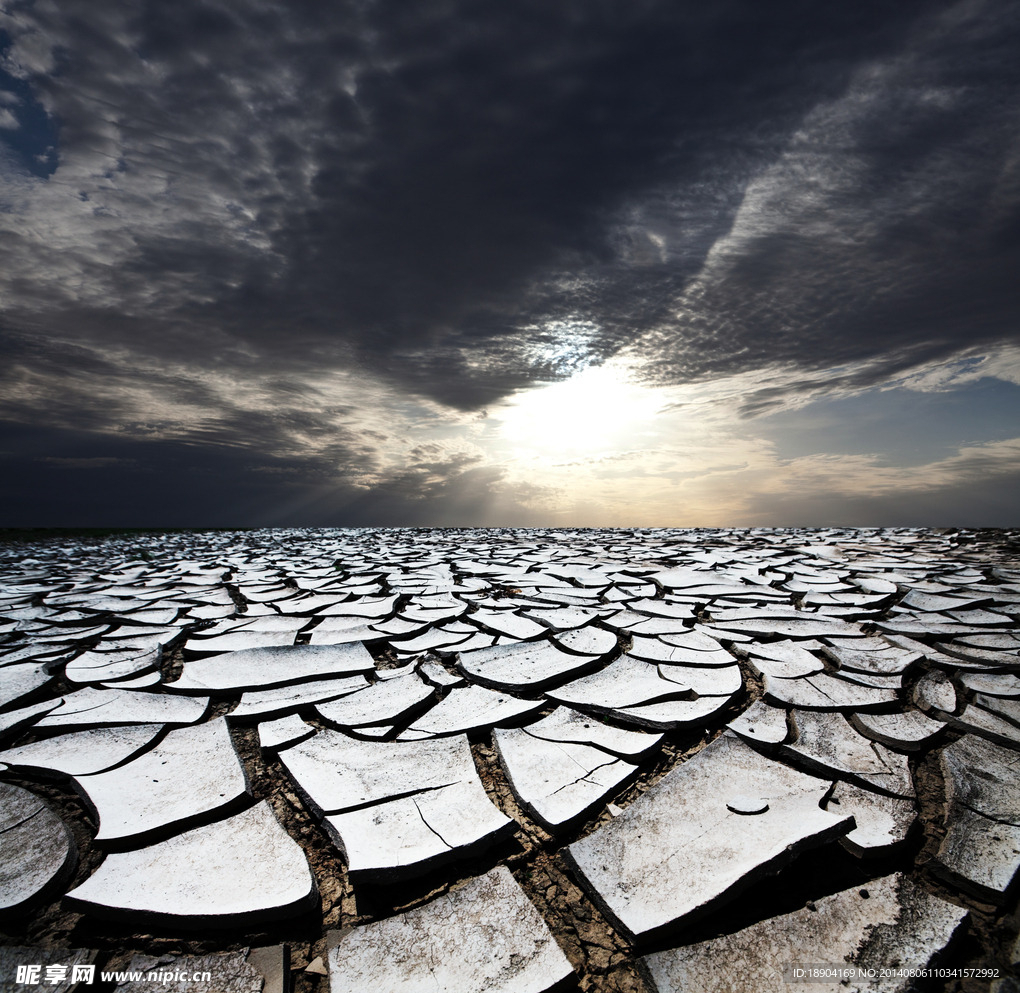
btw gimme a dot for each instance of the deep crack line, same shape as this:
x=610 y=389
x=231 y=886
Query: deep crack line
x=584 y=778
x=429 y=826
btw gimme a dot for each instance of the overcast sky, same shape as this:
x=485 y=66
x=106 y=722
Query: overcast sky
x=647 y=262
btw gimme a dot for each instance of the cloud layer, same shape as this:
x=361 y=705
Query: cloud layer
x=317 y=239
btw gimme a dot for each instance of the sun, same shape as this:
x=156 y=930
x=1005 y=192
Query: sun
x=598 y=410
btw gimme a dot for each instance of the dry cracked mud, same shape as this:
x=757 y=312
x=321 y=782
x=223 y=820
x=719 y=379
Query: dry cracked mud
x=599 y=760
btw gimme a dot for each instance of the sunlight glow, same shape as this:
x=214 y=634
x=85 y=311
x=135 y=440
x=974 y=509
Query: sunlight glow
x=598 y=410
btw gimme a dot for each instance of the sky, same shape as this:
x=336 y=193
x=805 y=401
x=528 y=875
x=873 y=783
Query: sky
x=581 y=263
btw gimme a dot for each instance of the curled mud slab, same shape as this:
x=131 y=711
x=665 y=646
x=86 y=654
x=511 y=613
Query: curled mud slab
x=605 y=760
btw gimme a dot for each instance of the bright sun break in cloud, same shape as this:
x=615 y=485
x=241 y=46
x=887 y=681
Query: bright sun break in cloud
x=600 y=410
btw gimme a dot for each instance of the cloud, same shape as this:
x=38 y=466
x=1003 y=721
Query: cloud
x=882 y=237
x=96 y=462
x=302 y=245
x=969 y=366
x=465 y=200
x=64 y=477
x=974 y=487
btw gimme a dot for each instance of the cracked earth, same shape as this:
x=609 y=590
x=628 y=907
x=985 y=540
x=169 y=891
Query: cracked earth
x=511 y=760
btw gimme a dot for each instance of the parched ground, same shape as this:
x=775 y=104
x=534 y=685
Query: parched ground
x=510 y=760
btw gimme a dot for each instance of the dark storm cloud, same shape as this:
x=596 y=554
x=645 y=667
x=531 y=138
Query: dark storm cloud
x=217 y=216
x=95 y=479
x=528 y=185
x=92 y=478
x=76 y=390
x=884 y=236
